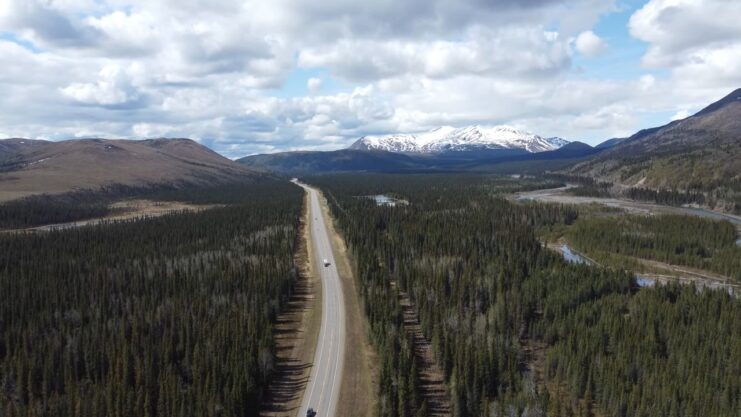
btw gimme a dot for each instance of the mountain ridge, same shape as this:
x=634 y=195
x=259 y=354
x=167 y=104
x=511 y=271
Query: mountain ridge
x=469 y=138
x=701 y=152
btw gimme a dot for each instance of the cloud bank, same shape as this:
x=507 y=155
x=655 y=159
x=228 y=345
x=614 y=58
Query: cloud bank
x=252 y=76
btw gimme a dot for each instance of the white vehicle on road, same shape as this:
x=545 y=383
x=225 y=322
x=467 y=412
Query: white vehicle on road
x=322 y=390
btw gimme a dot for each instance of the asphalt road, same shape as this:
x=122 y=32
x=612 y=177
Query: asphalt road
x=323 y=389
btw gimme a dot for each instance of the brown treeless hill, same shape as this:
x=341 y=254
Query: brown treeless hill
x=35 y=166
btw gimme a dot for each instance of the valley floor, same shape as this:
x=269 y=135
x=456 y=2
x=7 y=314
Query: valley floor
x=558 y=195
x=648 y=270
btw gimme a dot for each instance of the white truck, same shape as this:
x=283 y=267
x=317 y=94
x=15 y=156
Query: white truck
x=326 y=262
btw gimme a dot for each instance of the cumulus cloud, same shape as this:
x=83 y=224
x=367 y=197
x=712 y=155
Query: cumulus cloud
x=44 y=24
x=113 y=88
x=505 y=51
x=141 y=68
x=678 y=29
x=682 y=114
x=589 y=44
x=699 y=42
x=314 y=84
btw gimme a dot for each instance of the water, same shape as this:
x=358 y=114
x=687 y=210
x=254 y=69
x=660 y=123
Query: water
x=710 y=214
x=573 y=257
x=644 y=282
x=384 y=200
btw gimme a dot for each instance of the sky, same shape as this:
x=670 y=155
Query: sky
x=255 y=76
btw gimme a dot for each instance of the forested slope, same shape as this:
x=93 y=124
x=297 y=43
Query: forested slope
x=163 y=317
x=487 y=292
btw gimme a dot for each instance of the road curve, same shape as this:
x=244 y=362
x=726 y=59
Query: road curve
x=323 y=389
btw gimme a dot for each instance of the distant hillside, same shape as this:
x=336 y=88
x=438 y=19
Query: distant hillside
x=609 y=143
x=353 y=160
x=701 y=151
x=32 y=166
x=536 y=163
x=330 y=161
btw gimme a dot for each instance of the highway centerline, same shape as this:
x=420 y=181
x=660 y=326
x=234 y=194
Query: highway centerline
x=322 y=390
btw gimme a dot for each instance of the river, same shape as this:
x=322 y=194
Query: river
x=650 y=280
x=558 y=195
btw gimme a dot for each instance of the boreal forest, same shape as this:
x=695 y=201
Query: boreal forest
x=160 y=317
x=174 y=315
x=517 y=330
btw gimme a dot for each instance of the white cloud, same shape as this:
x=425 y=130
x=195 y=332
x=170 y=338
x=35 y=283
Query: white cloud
x=113 y=87
x=518 y=52
x=139 y=68
x=677 y=29
x=589 y=44
x=45 y=24
x=682 y=114
x=314 y=84
x=699 y=42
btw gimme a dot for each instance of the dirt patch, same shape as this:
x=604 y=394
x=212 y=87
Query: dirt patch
x=6 y=195
x=296 y=332
x=432 y=383
x=358 y=395
x=664 y=272
x=534 y=357
x=562 y=400
x=127 y=210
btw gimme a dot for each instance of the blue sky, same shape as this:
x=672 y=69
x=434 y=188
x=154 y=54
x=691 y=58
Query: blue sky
x=247 y=77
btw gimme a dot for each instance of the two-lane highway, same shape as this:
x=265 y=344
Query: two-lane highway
x=323 y=389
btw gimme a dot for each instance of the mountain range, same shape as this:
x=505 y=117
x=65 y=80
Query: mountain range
x=442 y=149
x=466 y=139
x=37 y=166
x=701 y=152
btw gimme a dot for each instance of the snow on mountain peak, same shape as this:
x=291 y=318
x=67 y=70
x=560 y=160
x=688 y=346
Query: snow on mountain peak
x=469 y=138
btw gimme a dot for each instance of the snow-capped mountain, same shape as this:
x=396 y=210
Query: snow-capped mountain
x=450 y=139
